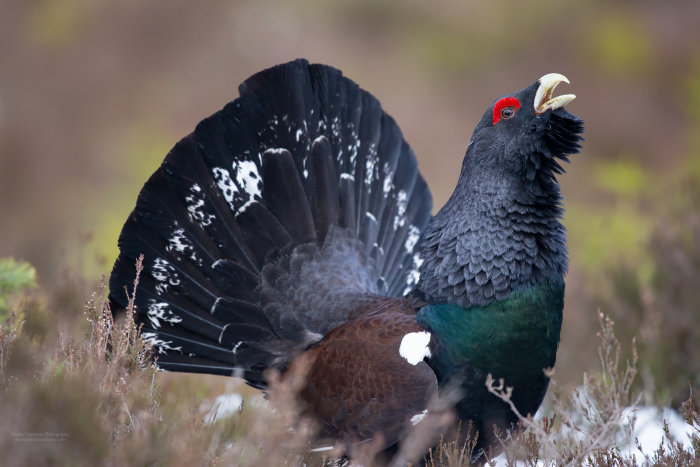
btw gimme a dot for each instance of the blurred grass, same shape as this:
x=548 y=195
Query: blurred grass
x=91 y=397
x=144 y=146
x=56 y=23
x=664 y=311
x=603 y=238
x=623 y=177
x=619 y=43
x=92 y=96
x=14 y=277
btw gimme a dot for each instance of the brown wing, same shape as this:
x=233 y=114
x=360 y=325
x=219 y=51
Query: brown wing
x=359 y=385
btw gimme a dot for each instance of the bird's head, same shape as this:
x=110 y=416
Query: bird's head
x=522 y=137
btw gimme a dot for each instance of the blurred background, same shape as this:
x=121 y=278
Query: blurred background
x=94 y=94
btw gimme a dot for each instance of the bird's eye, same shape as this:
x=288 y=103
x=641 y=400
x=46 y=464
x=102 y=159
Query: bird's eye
x=507 y=112
x=505 y=108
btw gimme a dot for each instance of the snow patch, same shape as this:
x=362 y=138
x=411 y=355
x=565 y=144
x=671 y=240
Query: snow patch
x=224 y=406
x=649 y=430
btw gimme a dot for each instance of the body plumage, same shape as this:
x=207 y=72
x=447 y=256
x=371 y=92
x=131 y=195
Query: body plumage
x=295 y=221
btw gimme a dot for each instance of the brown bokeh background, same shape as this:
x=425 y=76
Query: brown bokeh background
x=94 y=94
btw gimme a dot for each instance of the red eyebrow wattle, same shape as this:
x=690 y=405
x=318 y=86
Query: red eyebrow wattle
x=502 y=104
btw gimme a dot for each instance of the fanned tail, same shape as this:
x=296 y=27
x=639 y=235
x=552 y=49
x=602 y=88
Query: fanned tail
x=272 y=223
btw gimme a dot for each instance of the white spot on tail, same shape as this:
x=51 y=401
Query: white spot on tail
x=370 y=164
x=248 y=178
x=304 y=163
x=414 y=274
x=347 y=176
x=161 y=346
x=223 y=330
x=371 y=217
x=401 y=202
x=353 y=146
x=180 y=243
x=414 y=347
x=245 y=206
x=388 y=179
x=299 y=133
x=158 y=311
x=212 y=310
x=381 y=250
x=164 y=274
x=335 y=126
x=195 y=207
x=411 y=239
x=418 y=417
x=225 y=184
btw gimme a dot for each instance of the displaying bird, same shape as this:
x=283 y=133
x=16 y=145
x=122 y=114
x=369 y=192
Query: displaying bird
x=294 y=221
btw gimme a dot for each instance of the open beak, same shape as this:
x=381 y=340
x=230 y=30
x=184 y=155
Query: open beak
x=543 y=97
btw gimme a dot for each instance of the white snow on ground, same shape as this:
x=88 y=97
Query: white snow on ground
x=223 y=406
x=648 y=429
x=649 y=426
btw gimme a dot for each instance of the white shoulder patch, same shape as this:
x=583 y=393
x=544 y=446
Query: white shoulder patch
x=414 y=347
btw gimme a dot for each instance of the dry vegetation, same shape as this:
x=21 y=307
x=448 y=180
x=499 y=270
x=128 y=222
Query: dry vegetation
x=93 y=94
x=95 y=400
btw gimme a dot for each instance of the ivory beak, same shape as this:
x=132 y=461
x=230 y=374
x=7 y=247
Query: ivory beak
x=543 y=97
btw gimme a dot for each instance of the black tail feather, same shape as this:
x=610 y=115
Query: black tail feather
x=261 y=230
x=300 y=192
x=325 y=195
x=284 y=195
x=346 y=199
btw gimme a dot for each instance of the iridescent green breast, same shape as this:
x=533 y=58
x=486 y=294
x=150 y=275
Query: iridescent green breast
x=515 y=339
